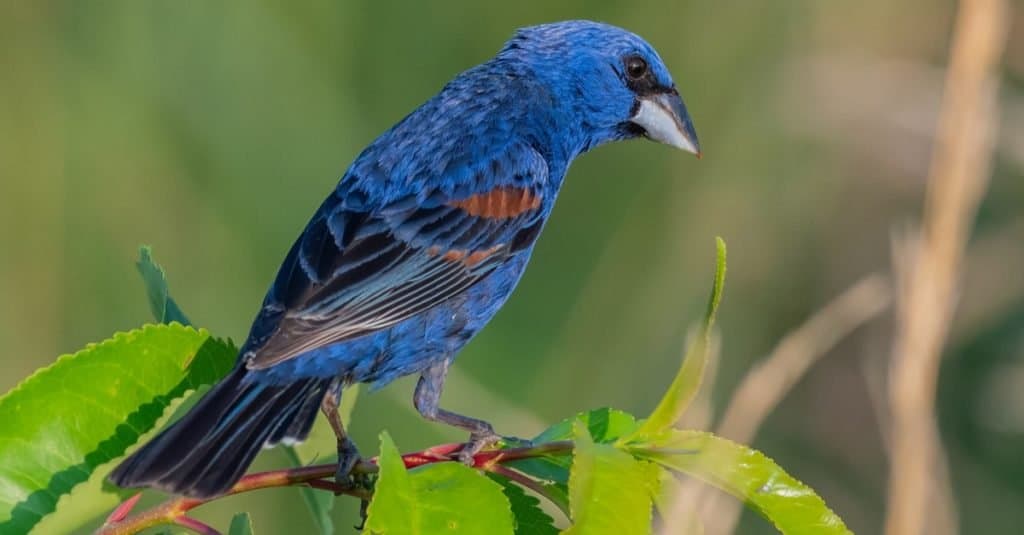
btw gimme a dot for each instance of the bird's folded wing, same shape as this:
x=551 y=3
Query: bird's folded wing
x=352 y=273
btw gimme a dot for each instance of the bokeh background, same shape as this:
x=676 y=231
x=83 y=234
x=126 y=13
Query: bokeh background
x=212 y=131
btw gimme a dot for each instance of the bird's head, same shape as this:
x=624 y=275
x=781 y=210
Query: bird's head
x=614 y=83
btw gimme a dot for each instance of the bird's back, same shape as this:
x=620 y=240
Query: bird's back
x=420 y=243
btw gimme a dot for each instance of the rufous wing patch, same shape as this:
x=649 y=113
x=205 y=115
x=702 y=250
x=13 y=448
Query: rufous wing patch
x=468 y=259
x=499 y=203
x=476 y=257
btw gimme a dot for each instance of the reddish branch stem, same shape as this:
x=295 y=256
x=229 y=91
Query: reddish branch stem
x=173 y=511
x=195 y=525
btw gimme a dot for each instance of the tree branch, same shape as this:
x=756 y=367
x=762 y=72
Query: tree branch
x=194 y=525
x=173 y=511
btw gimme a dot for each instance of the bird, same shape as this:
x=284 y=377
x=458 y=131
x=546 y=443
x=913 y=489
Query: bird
x=421 y=242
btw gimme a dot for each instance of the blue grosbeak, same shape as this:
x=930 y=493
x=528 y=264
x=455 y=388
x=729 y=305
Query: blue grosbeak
x=422 y=241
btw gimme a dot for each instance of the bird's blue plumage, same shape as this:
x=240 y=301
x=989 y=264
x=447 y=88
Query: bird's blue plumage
x=421 y=242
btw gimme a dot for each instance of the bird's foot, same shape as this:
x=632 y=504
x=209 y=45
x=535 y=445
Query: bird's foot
x=364 y=510
x=348 y=459
x=478 y=440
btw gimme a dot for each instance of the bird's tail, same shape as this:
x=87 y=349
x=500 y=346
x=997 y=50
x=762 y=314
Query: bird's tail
x=206 y=452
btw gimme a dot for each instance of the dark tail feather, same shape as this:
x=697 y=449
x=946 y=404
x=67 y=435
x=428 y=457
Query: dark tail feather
x=297 y=427
x=206 y=452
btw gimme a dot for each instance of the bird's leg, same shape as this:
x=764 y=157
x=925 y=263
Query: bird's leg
x=348 y=455
x=426 y=399
x=364 y=513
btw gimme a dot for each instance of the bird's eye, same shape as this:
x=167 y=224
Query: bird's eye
x=636 y=67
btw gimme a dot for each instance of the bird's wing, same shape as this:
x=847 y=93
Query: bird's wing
x=355 y=272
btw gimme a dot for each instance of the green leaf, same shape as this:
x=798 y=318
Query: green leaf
x=241 y=524
x=165 y=310
x=665 y=498
x=87 y=409
x=609 y=490
x=603 y=425
x=687 y=381
x=443 y=497
x=530 y=519
x=748 y=474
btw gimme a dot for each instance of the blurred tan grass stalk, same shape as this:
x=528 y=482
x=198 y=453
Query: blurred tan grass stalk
x=930 y=274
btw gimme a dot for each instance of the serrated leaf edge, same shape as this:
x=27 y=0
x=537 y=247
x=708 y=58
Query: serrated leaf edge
x=117 y=337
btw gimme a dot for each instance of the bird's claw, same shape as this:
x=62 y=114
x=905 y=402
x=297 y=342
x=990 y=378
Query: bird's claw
x=348 y=459
x=364 y=509
x=478 y=441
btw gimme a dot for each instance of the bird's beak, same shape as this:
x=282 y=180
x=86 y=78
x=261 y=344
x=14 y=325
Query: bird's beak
x=663 y=116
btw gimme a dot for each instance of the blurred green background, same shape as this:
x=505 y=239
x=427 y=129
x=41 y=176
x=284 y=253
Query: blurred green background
x=212 y=131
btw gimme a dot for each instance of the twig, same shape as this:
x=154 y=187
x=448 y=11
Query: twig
x=767 y=383
x=174 y=509
x=195 y=525
x=124 y=509
x=958 y=177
